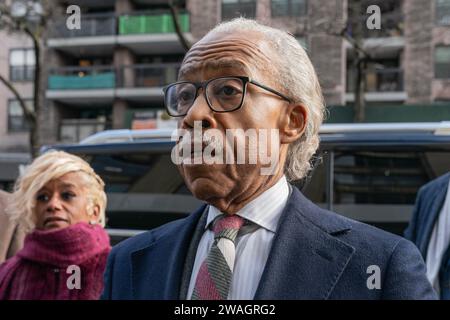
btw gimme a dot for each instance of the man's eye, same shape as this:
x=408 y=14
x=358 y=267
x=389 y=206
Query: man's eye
x=228 y=91
x=185 y=96
x=42 y=198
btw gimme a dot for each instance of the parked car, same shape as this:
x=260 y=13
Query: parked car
x=368 y=172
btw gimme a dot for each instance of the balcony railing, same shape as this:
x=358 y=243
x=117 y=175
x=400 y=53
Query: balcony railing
x=152 y=22
x=141 y=22
x=73 y=78
x=75 y=130
x=380 y=80
x=384 y=80
x=106 y=77
x=147 y=75
x=91 y=25
x=233 y=9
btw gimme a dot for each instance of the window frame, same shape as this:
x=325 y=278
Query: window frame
x=438 y=10
x=24 y=124
x=290 y=11
x=238 y=3
x=28 y=70
x=438 y=65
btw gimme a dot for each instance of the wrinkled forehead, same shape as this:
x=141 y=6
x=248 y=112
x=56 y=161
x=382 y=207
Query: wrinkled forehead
x=245 y=53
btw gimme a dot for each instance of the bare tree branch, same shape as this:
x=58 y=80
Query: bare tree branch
x=29 y=115
x=174 y=12
x=33 y=29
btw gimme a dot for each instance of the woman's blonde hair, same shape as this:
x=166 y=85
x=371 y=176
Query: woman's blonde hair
x=49 y=166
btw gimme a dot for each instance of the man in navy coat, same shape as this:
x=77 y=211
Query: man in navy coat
x=429 y=230
x=257 y=237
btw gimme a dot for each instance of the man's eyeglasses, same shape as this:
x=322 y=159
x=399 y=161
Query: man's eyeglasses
x=224 y=94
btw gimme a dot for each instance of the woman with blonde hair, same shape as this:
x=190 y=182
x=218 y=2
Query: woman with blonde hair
x=60 y=201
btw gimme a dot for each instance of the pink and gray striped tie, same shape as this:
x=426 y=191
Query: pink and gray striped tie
x=215 y=274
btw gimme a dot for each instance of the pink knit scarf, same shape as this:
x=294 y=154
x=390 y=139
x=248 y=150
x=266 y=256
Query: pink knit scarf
x=40 y=270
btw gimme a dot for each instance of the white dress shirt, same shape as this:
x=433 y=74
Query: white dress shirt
x=252 y=249
x=439 y=242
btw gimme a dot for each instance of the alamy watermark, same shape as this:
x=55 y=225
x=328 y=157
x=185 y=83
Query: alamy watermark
x=236 y=146
x=374 y=20
x=374 y=280
x=74 y=280
x=73 y=22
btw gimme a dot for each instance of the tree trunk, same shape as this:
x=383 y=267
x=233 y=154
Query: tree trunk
x=360 y=61
x=29 y=115
x=174 y=12
x=360 y=89
x=35 y=130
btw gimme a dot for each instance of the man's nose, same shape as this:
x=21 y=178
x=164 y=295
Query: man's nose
x=54 y=203
x=199 y=111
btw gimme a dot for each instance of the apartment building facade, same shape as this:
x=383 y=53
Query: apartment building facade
x=17 y=66
x=110 y=73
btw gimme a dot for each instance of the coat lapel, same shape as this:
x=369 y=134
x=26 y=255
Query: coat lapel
x=157 y=268
x=306 y=259
x=433 y=207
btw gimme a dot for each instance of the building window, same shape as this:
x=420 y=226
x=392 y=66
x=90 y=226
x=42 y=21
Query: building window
x=288 y=8
x=16 y=118
x=442 y=62
x=443 y=12
x=21 y=65
x=236 y=8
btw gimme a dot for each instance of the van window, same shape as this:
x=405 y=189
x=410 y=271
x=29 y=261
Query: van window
x=376 y=187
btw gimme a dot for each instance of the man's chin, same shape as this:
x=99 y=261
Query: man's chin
x=204 y=188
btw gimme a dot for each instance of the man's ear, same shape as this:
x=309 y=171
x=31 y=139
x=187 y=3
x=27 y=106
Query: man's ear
x=293 y=123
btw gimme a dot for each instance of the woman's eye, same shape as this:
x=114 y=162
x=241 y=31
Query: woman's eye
x=42 y=197
x=67 y=195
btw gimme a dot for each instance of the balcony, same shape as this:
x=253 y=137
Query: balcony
x=144 y=82
x=92 y=25
x=384 y=84
x=144 y=32
x=151 y=23
x=75 y=78
x=148 y=75
x=82 y=85
x=101 y=84
x=384 y=80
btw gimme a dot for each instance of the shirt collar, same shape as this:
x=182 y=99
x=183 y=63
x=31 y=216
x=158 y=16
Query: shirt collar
x=265 y=210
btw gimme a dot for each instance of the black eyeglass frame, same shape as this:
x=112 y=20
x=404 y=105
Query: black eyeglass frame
x=203 y=85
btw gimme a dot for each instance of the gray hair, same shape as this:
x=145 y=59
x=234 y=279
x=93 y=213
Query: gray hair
x=297 y=76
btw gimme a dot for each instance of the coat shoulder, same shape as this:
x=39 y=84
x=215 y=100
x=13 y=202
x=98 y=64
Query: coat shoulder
x=436 y=185
x=146 y=238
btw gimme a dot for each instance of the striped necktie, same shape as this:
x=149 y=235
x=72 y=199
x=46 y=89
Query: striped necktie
x=215 y=274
